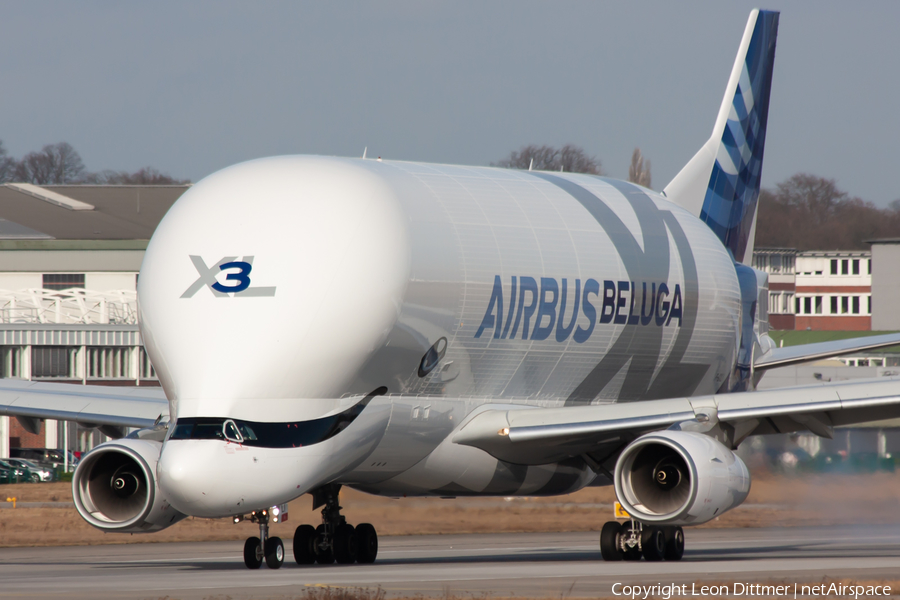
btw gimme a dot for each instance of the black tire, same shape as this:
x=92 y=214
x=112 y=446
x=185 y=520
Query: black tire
x=305 y=545
x=35 y=478
x=653 y=542
x=674 y=543
x=629 y=553
x=252 y=554
x=274 y=553
x=323 y=557
x=609 y=541
x=346 y=547
x=367 y=544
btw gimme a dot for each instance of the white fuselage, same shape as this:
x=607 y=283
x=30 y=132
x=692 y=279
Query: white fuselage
x=536 y=289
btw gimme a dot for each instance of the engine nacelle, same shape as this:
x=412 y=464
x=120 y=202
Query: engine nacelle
x=115 y=488
x=679 y=478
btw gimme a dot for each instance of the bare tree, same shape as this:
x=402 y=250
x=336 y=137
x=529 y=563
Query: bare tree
x=639 y=170
x=54 y=164
x=569 y=158
x=7 y=165
x=809 y=212
x=145 y=176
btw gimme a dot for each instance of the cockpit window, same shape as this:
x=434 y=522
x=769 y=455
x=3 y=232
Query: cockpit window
x=247 y=433
x=198 y=429
x=231 y=432
x=182 y=431
x=269 y=435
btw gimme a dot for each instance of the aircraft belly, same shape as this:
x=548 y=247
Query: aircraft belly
x=417 y=426
x=455 y=470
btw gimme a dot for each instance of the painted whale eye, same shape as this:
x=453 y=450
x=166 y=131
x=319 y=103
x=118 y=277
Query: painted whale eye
x=432 y=357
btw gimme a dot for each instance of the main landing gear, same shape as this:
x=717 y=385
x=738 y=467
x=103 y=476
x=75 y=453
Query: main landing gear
x=334 y=540
x=258 y=549
x=630 y=540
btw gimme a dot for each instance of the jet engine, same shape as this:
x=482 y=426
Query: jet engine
x=679 y=478
x=115 y=488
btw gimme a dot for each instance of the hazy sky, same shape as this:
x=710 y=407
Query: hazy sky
x=191 y=87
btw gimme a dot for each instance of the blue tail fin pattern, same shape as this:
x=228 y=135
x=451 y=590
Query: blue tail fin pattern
x=729 y=207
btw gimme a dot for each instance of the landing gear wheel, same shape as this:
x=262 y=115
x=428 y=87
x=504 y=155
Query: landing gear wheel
x=252 y=553
x=609 y=541
x=627 y=534
x=324 y=549
x=674 y=543
x=653 y=542
x=274 y=552
x=304 y=545
x=345 y=545
x=367 y=543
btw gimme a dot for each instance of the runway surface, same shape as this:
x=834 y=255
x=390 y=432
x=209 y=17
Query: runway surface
x=524 y=565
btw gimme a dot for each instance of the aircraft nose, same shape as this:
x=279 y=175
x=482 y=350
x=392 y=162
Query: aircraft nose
x=184 y=475
x=212 y=478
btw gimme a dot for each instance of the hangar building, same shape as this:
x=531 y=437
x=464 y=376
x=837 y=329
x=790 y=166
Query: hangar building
x=69 y=262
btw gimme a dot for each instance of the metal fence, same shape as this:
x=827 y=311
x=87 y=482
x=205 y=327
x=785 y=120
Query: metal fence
x=71 y=306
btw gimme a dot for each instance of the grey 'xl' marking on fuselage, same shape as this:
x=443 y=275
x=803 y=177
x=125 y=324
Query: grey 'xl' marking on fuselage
x=639 y=343
x=207 y=276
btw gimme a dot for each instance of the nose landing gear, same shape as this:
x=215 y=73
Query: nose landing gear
x=258 y=549
x=334 y=540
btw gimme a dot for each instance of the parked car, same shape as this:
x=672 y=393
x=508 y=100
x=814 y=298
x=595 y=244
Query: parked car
x=43 y=456
x=15 y=474
x=7 y=475
x=35 y=472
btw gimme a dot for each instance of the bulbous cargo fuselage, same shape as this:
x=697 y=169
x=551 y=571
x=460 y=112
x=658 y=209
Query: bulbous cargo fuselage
x=276 y=287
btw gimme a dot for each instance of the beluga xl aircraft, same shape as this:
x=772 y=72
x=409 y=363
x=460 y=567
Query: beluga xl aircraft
x=412 y=329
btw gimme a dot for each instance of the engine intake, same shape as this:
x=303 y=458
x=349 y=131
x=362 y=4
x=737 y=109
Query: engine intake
x=115 y=489
x=679 y=478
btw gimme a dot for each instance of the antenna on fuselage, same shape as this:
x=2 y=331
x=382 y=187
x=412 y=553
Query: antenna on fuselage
x=531 y=164
x=366 y=149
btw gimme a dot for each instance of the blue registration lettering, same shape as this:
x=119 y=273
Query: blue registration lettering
x=546 y=308
x=496 y=302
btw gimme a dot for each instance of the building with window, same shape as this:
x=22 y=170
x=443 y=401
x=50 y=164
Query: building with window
x=818 y=289
x=834 y=290
x=69 y=263
x=779 y=263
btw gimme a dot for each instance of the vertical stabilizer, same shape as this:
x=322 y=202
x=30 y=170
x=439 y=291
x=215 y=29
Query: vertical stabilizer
x=720 y=184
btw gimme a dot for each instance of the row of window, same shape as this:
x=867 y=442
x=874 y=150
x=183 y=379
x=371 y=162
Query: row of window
x=833 y=305
x=65 y=281
x=65 y=362
x=781 y=303
x=774 y=263
x=847 y=266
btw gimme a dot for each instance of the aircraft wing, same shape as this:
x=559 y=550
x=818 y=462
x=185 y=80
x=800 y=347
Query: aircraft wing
x=782 y=357
x=599 y=432
x=89 y=404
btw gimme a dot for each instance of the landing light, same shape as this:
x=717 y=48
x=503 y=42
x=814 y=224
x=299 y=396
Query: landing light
x=504 y=431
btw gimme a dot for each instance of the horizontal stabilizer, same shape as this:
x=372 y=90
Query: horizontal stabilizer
x=792 y=355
